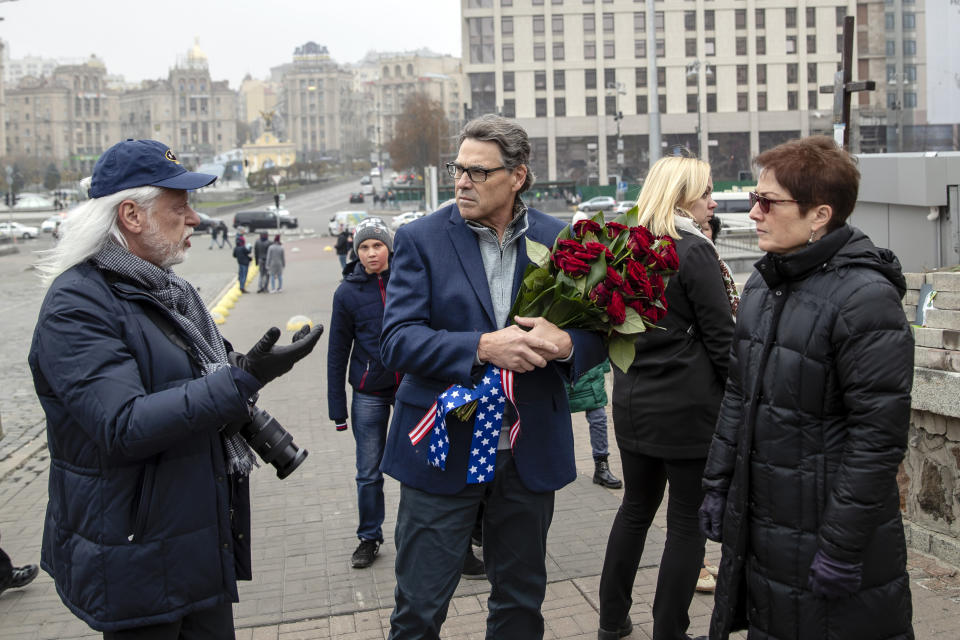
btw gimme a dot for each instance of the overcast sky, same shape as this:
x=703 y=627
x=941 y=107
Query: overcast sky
x=141 y=40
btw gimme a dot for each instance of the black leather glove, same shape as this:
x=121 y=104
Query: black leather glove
x=831 y=578
x=711 y=515
x=266 y=361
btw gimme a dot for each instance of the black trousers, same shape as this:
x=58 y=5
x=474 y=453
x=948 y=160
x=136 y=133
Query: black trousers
x=433 y=535
x=644 y=480
x=215 y=623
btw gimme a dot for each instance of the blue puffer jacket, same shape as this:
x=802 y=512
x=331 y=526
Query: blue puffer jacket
x=355 y=325
x=138 y=527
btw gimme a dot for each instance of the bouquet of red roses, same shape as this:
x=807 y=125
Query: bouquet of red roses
x=608 y=277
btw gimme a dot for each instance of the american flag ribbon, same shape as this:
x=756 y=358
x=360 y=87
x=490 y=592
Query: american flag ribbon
x=491 y=394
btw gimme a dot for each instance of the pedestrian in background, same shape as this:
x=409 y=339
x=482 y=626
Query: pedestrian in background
x=242 y=253
x=276 y=261
x=224 y=234
x=343 y=246
x=12 y=577
x=214 y=233
x=260 y=259
x=355 y=326
x=147 y=529
x=665 y=407
x=801 y=480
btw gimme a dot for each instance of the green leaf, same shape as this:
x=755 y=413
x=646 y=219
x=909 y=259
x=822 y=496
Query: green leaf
x=539 y=254
x=622 y=352
x=598 y=271
x=564 y=234
x=632 y=324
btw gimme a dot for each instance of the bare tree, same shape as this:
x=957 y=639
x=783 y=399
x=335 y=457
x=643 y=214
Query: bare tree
x=421 y=133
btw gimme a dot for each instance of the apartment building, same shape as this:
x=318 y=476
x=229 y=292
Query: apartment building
x=188 y=110
x=321 y=113
x=733 y=76
x=71 y=116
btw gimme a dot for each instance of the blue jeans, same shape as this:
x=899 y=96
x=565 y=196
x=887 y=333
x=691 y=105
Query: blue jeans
x=242 y=276
x=432 y=538
x=276 y=281
x=343 y=260
x=371 y=414
x=597 y=419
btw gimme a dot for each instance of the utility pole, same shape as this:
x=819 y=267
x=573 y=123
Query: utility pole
x=653 y=99
x=693 y=69
x=618 y=88
x=379 y=150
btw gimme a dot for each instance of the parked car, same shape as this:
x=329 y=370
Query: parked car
x=17 y=230
x=625 y=205
x=356 y=196
x=365 y=180
x=51 y=224
x=28 y=201
x=206 y=223
x=345 y=220
x=405 y=218
x=264 y=219
x=599 y=203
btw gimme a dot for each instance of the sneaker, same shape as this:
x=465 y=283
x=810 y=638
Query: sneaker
x=473 y=568
x=21 y=577
x=706 y=583
x=365 y=554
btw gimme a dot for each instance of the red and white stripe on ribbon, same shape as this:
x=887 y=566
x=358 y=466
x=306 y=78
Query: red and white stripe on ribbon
x=506 y=376
x=424 y=426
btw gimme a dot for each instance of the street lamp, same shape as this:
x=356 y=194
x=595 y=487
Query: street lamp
x=619 y=89
x=693 y=71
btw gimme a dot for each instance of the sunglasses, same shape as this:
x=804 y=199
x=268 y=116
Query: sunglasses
x=764 y=202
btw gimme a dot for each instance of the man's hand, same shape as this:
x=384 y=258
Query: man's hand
x=551 y=334
x=266 y=361
x=519 y=350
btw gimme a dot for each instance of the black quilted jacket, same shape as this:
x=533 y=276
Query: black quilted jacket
x=812 y=429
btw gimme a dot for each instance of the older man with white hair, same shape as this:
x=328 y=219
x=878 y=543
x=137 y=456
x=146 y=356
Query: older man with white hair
x=148 y=520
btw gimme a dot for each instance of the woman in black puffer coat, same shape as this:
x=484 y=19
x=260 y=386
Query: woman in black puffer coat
x=801 y=478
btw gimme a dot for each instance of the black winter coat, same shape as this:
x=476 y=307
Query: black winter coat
x=143 y=523
x=355 y=325
x=666 y=404
x=812 y=429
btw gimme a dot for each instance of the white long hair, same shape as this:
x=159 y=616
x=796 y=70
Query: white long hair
x=88 y=228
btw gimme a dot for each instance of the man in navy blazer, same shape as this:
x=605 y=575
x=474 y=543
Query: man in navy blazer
x=455 y=275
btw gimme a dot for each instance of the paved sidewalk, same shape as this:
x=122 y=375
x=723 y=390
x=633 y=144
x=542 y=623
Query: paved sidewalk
x=304 y=526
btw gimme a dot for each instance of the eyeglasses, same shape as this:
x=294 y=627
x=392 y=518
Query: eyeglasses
x=476 y=174
x=765 y=202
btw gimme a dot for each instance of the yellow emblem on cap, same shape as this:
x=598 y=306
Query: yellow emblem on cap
x=169 y=156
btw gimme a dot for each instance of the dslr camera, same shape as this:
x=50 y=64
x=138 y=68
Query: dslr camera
x=270 y=440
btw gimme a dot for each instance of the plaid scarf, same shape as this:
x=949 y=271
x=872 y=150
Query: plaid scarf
x=682 y=221
x=192 y=318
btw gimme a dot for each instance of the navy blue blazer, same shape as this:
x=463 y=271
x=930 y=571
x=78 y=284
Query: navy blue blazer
x=438 y=305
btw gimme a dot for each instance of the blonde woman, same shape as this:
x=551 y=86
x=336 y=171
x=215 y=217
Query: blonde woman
x=665 y=407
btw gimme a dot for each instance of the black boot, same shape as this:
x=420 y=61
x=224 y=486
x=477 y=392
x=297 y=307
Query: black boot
x=602 y=475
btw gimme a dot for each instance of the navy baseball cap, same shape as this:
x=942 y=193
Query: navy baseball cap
x=141 y=163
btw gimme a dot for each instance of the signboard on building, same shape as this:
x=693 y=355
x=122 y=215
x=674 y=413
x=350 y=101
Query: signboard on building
x=943 y=62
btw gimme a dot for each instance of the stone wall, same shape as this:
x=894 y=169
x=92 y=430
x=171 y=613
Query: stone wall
x=930 y=474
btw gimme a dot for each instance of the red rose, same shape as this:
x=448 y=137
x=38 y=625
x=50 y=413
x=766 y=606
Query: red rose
x=636 y=275
x=668 y=254
x=569 y=245
x=654 y=314
x=595 y=249
x=656 y=285
x=586 y=226
x=613 y=280
x=570 y=264
x=640 y=241
x=616 y=309
x=600 y=295
x=614 y=229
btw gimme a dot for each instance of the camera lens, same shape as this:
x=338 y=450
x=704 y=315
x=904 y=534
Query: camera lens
x=272 y=442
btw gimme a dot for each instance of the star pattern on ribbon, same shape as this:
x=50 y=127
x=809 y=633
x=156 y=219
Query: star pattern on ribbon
x=491 y=395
